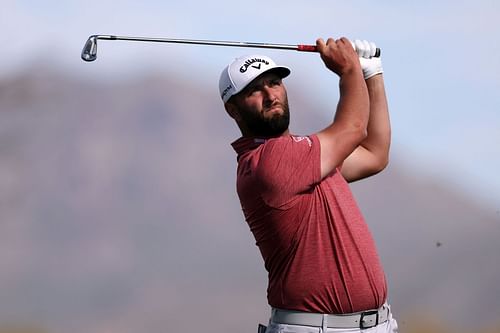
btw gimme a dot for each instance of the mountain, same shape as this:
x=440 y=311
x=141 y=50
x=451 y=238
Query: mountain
x=118 y=213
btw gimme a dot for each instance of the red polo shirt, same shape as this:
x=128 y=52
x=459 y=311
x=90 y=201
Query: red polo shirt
x=316 y=246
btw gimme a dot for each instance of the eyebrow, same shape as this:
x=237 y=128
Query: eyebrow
x=260 y=81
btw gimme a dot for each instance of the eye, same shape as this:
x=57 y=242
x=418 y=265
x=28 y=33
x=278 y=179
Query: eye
x=253 y=90
x=275 y=82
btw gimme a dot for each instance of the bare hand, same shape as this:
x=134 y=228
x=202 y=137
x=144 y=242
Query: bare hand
x=338 y=55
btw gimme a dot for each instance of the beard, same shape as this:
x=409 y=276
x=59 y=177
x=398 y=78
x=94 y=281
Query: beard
x=261 y=126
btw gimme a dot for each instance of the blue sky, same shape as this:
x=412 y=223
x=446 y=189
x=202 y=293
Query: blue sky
x=441 y=61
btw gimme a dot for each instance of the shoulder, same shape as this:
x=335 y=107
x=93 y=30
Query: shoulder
x=292 y=141
x=289 y=153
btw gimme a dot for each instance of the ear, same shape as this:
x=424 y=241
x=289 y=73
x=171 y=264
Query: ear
x=232 y=110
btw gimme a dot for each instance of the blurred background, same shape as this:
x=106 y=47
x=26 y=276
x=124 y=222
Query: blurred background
x=118 y=209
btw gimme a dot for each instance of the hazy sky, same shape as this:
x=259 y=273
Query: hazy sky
x=441 y=61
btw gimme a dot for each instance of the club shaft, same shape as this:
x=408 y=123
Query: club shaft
x=200 y=42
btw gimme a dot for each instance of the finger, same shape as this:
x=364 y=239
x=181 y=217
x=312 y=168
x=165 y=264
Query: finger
x=330 y=46
x=364 y=48
x=320 y=45
x=360 y=47
x=344 y=40
x=373 y=49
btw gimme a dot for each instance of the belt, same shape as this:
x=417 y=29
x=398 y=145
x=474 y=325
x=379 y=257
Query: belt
x=364 y=319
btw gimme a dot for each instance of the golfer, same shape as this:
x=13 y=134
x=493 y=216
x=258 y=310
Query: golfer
x=324 y=271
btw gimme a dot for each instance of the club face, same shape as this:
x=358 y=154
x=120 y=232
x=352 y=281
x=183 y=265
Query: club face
x=89 y=52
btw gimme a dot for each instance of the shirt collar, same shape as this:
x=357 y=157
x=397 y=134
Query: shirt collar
x=244 y=144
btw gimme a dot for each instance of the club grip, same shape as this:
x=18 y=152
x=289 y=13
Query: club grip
x=307 y=48
x=312 y=48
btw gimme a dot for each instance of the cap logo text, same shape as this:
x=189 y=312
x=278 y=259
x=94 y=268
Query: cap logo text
x=225 y=91
x=250 y=62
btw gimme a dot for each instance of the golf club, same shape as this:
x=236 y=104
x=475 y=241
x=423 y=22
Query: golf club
x=89 y=52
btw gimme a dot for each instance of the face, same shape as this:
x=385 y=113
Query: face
x=261 y=109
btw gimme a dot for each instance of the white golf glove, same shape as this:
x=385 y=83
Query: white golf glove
x=370 y=65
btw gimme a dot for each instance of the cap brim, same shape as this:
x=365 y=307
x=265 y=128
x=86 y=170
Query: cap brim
x=281 y=71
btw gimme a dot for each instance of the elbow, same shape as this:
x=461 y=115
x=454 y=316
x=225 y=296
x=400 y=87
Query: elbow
x=381 y=163
x=376 y=167
x=378 y=162
x=361 y=133
x=358 y=128
x=384 y=163
x=364 y=133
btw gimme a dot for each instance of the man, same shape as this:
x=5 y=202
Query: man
x=324 y=271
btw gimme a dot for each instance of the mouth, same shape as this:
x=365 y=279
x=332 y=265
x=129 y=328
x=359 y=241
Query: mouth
x=276 y=107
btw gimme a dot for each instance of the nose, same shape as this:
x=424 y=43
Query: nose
x=269 y=93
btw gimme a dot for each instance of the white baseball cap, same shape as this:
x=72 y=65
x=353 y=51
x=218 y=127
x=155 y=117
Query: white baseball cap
x=243 y=70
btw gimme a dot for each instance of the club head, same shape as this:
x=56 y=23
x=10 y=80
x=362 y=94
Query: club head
x=89 y=52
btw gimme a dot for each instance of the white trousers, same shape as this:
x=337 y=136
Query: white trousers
x=390 y=326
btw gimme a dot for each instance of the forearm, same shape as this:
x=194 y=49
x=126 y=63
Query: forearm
x=379 y=129
x=348 y=128
x=353 y=106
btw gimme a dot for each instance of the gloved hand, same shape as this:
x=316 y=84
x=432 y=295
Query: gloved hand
x=370 y=65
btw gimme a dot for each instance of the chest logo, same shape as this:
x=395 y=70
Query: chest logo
x=301 y=138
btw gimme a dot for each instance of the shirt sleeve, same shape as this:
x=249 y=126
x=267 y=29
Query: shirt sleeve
x=288 y=166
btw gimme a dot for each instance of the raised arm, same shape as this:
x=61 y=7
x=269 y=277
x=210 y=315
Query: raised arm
x=349 y=127
x=372 y=155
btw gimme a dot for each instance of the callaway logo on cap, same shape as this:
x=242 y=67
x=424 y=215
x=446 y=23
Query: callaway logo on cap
x=238 y=74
